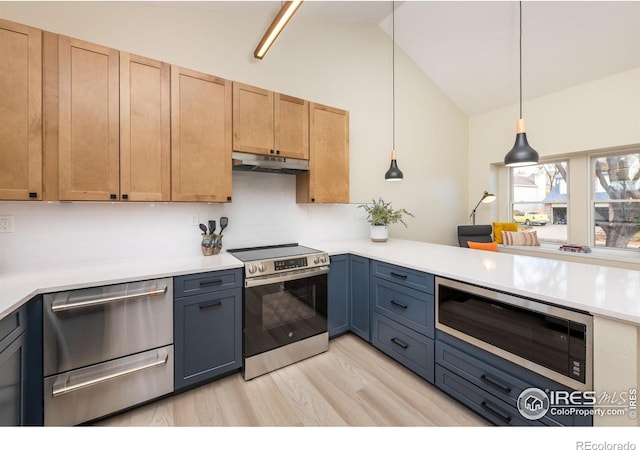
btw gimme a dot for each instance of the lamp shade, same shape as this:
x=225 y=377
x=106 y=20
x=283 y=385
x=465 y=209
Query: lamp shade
x=521 y=154
x=394 y=173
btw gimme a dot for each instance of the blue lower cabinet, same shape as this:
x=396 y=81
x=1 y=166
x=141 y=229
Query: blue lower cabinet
x=208 y=336
x=16 y=390
x=359 y=296
x=12 y=365
x=338 y=296
x=488 y=406
x=413 y=350
x=478 y=378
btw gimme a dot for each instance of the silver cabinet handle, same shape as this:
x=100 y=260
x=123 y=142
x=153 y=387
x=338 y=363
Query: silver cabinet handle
x=100 y=301
x=85 y=384
x=271 y=279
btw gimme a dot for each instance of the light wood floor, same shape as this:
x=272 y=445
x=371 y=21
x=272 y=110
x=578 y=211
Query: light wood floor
x=353 y=384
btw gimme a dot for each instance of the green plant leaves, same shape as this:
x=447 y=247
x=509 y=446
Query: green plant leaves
x=380 y=212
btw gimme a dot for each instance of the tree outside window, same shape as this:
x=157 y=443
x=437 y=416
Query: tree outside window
x=616 y=200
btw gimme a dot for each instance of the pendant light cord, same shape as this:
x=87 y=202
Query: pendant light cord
x=521 y=59
x=393 y=71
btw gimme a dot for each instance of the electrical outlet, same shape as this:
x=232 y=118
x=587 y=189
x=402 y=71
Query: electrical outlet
x=6 y=224
x=193 y=220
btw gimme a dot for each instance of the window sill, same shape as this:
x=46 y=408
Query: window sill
x=598 y=256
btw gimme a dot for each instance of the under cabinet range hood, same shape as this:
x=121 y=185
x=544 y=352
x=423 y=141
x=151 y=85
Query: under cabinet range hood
x=272 y=164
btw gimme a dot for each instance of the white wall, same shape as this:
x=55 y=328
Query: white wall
x=600 y=114
x=342 y=65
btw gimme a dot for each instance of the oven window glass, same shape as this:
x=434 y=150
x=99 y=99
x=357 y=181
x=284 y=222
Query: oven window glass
x=555 y=343
x=288 y=307
x=284 y=312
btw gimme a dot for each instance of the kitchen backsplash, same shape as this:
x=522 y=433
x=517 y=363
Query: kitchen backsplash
x=263 y=212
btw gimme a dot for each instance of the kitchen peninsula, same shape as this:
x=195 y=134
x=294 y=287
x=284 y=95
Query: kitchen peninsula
x=609 y=294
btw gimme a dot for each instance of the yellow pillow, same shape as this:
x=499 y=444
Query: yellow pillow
x=499 y=227
x=489 y=246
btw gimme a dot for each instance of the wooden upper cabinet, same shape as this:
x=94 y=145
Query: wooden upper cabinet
x=253 y=130
x=20 y=112
x=292 y=127
x=201 y=136
x=88 y=134
x=145 y=129
x=328 y=178
x=268 y=123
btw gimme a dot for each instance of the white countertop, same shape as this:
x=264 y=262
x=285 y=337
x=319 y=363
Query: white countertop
x=16 y=288
x=599 y=290
x=604 y=291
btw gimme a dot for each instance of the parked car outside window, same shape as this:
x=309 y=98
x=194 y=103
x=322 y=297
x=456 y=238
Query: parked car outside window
x=531 y=218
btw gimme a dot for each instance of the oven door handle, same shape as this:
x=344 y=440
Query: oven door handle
x=57 y=307
x=161 y=360
x=261 y=281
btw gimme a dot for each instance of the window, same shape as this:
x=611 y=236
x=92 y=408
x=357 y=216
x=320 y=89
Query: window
x=539 y=199
x=616 y=200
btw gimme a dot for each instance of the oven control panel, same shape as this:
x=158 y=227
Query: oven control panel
x=286 y=264
x=268 y=267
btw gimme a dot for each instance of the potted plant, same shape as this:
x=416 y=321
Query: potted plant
x=380 y=215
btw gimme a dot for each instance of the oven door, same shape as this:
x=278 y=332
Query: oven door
x=282 y=309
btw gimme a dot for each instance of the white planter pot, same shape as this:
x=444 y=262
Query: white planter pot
x=379 y=233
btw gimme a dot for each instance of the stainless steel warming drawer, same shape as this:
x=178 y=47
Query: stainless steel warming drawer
x=106 y=348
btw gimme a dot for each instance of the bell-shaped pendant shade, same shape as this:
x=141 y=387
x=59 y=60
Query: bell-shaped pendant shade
x=521 y=154
x=394 y=173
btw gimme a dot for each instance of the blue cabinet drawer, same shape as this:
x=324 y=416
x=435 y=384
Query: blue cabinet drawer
x=485 y=404
x=200 y=283
x=411 y=349
x=406 y=277
x=502 y=379
x=412 y=308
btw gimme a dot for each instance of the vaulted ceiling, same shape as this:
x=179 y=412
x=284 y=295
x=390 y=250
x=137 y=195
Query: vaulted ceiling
x=470 y=48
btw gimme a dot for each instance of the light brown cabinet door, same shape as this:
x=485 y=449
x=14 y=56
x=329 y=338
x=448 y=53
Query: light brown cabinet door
x=145 y=129
x=20 y=112
x=328 y=178
x=253 y=125
x=201 y=137
x=292 y=127
x=89 y=139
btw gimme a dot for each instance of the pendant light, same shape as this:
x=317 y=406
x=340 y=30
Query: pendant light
x=521 y=154
x=394 y=173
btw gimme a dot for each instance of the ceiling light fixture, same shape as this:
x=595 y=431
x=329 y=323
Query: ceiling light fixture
x=521 y=154
x=394 y=173
x=287 y=10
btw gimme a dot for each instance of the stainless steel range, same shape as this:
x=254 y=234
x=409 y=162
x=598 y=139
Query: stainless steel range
x=285 y=306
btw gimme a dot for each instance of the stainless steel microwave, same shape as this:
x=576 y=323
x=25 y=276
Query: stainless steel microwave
x=552 y=341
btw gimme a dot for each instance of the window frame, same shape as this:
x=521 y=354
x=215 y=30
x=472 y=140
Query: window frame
x=511 y=202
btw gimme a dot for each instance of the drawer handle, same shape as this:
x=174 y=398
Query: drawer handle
x=496 y=384
x=399 y=275
x=398 y=304
x=210 y=305
x=495 y=411
x=101 y=301
x=400 y=343
x=204 y=284
x=161 y=360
